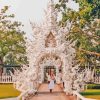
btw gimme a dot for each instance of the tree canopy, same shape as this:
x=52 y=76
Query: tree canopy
x=85 y=29
x=12 y=42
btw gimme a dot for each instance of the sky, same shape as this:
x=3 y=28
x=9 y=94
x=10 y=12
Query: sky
x=29 y=10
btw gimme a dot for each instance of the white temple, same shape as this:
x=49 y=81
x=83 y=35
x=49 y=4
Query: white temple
x=49 y=50
x=50 y=47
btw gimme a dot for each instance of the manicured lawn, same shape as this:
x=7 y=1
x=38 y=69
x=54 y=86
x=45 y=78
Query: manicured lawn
x=8 y=91
x=92 y=93
x=93 y=97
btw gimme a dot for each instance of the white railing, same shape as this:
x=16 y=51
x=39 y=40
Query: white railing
x=80 y=97
x=25 y=94
x=96 y=79
x=6 y=79
x=21 y=96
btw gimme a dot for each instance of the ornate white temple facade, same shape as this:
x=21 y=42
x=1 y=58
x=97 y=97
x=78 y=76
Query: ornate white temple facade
x=49 y=49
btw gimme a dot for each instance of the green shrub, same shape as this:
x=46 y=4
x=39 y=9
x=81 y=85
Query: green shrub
x=93 y=86
x=90 y=93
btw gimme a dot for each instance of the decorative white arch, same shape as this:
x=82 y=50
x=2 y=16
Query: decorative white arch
x=49 y=60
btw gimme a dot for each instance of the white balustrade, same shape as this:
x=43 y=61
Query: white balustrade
x=80 y=97
x=27 y=93
x=6 y=79
x=96 y=79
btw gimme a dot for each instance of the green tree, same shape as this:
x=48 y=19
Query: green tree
x=85 y=28
x=96 y=8
x=12 y=42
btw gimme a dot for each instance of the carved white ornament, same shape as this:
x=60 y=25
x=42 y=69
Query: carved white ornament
x=39 y=55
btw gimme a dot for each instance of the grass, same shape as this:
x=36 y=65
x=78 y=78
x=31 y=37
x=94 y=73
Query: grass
x=97 y=97
x=8 y=91
x=92 y=93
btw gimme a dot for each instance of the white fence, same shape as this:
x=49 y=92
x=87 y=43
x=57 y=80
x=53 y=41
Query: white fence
x=96 y=80
x=6 y=79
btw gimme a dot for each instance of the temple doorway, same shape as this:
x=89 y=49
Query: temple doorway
x=47 y=71
x=47 y=63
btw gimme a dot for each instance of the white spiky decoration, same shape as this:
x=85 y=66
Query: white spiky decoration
x=49 y=48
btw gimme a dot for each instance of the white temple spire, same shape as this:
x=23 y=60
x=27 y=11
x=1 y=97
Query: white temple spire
x=52 y=1
x=51 y=14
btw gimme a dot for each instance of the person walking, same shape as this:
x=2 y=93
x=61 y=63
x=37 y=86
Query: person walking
x=51 y=83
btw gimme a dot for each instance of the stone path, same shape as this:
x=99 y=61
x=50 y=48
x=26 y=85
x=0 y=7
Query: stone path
x=57 y=94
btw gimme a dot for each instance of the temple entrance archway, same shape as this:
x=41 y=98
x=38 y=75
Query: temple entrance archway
x=47 y=71
x=49 y=62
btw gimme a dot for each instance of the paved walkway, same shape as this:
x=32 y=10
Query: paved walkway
x=57 y=94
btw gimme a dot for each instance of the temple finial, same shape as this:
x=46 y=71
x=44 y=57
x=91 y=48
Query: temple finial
x=51 y=14
x=51 y=2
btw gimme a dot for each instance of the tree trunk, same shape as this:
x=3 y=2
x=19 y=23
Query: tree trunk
x=1 y=66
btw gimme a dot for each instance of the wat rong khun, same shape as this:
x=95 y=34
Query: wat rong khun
x=50 y=52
